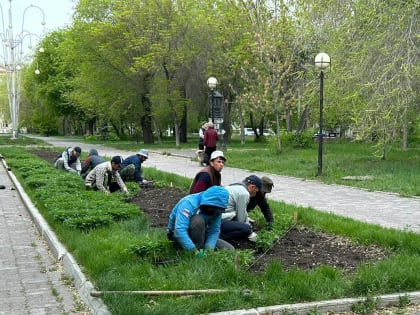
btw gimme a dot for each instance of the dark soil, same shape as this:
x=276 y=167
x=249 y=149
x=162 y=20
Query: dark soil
x=300 y=247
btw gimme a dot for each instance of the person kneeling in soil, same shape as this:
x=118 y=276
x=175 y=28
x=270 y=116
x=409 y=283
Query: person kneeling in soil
x=235 y=221
x=261 y=201
x=106 y=178
x=210 y=175
x=69 y=160
x=194 y=222
x=131 y=167
x=91 y=161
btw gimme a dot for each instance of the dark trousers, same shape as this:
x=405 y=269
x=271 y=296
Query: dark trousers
x=208 y=151
x=234 y=230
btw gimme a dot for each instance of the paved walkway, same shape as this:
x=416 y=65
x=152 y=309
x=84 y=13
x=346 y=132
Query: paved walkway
x=31 y=266
x=30 y=276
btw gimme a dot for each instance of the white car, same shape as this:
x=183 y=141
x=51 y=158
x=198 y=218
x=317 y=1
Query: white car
x=249 y=132
x=268 y=132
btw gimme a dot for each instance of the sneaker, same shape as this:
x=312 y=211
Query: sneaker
x=252 y=237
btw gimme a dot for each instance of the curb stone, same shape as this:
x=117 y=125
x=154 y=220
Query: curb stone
x=324 y=307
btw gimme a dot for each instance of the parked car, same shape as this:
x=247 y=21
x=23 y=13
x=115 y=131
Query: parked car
x=249 y=132
x=268 y=132
x=327 y=135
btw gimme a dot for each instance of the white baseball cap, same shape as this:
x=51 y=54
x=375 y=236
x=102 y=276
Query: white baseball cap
x=217 y=154
x=144 y=153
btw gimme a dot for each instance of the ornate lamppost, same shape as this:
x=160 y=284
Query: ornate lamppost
x=212 y=83
x=12 y=59
x=322 y=61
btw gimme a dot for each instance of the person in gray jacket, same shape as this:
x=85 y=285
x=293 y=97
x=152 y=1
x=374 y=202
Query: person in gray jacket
x=235 y=222
x=69 y=160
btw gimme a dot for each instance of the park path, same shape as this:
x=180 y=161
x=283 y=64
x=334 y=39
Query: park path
x=385 y=209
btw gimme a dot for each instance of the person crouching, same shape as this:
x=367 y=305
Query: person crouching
x=106 y=177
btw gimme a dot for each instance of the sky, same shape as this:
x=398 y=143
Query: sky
x=57 y=14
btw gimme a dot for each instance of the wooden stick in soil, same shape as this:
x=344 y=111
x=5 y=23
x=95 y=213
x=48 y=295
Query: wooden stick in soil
x=150 y=293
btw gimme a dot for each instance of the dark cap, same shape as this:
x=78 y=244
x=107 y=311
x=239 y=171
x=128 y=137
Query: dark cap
x=78 y=149
x=211 y=210
x=117 y=159
x=267 y=184
x=254 y=180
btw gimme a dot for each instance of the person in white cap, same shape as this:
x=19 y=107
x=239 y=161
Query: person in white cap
x=209 y=175
x=131 y=167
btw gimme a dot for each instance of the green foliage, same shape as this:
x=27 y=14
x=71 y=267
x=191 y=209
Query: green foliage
x=298 y=140
x=65 y=197
x=154 y=250
x=366 y=306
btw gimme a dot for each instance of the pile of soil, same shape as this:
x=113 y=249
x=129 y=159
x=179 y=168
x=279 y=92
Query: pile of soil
x=301 y=247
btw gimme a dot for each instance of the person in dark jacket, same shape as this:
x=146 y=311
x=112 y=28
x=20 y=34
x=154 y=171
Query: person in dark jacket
x=210 y=141
x=91 y=161
x=131 y=167
x=194 y=222
x=260 y=200
x=209 y=175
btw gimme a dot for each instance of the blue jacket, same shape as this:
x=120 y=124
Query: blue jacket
x=181 y=214
x=136 y=161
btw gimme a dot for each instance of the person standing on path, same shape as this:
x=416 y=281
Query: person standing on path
x=210 y=175
x=69 y=157
x=201 y=132
x=91 y=161
x=210 y=141
x=131 y=167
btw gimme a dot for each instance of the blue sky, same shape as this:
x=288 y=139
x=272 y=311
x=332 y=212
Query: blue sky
x=57 y=14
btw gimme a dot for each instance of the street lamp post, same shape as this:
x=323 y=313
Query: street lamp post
x=212 y=83
x=12 y=58
x=322 y=61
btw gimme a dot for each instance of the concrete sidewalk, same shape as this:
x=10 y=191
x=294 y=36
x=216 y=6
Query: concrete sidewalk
x=34 y=265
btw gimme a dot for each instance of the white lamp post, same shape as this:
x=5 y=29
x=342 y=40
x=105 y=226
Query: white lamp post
x=212 y=83
x=12 y=55
x=322 y=61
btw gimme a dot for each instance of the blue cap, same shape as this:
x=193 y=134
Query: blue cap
x=254 y=180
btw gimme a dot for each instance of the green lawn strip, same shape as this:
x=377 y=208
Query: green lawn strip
x=125 y=254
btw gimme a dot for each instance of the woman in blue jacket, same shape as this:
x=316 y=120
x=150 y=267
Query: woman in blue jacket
x=194 y=222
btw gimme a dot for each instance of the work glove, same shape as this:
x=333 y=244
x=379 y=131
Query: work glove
x=250 y=221
x=200 y=254
x=252 y=237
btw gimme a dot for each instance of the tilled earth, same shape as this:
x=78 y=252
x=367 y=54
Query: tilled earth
x=300 y=247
